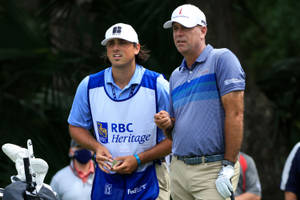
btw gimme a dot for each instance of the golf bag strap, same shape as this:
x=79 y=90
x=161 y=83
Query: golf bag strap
x=244 y=166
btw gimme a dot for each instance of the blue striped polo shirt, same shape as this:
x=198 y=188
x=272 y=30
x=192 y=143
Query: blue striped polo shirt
x=195 y=97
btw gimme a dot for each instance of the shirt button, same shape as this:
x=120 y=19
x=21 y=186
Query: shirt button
x=189 y=81
x=191 y=72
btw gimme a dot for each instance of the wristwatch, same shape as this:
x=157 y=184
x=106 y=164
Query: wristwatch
x=227 y=162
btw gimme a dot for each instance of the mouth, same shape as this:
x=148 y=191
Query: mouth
x=117 y=55
x=180 y=42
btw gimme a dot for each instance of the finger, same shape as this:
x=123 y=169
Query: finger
x=103 y=158
x=103 y=169
x=120 y=168
x=165 y=122
x=157 y=116
x=226 y=192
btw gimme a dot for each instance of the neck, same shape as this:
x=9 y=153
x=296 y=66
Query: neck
x=122 y=75
x=82 y=167
x=190 y=58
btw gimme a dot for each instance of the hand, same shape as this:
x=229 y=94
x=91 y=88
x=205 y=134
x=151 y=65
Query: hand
x=223 y=182
x=127 y=165
x=103 y=156
x=163 y=120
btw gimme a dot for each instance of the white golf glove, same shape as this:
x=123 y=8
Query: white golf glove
x=223 y=182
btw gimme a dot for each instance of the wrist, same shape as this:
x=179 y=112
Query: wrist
x=169 y=130
x=137 y=159
x=227 y=162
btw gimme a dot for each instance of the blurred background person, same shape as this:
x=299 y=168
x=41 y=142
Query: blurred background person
x=249 y=187
x=290 y=179
x=74 y=182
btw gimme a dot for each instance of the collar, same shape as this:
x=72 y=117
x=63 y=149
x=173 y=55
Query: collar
x=135 y=79
x=201 y=58
x=83 y=175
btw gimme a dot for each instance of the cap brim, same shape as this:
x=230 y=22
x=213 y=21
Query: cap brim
x=167 y=24
x=103 y=43
x=184 y=22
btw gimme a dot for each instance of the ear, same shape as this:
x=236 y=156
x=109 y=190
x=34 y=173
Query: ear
x=137 y=47
x=71 y=152
x=203 y=30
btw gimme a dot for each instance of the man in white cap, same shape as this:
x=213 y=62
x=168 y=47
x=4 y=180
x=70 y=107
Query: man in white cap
x=119 y=103
x=206 y=114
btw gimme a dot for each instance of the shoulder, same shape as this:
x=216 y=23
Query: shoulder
x=176 y=72
x=151 y=78
x=62 y=173
x=97 y=79
x=222 y=53
x=150 y=73
x=296 y=147
x=225 y=58
x=250 y=161
x=295 y=153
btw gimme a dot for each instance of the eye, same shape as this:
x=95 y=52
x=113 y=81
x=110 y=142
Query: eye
x=110 y=43
x=122 y=42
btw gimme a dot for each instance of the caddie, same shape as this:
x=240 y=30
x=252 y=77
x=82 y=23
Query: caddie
x=119 y=103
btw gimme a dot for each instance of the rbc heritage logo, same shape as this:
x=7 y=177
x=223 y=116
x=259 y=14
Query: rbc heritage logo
x=102 y=131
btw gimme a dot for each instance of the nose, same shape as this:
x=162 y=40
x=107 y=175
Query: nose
x=115 y=47
x=178 y=32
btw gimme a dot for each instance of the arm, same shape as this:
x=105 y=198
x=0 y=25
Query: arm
x=163 y=121
x=253 y=186
x=290 y=196
x=248 y=196
x=85 y=139
x=162 y=118
x=233 y=104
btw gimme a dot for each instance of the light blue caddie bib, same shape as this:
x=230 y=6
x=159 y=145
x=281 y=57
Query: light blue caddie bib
x=125 y=127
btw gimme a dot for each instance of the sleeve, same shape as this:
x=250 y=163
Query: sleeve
x=229 y=73
x=55 y=187
x=162 y=100
x=252 y=179
x=80 y=114
x=291 y=173
x=171 y=110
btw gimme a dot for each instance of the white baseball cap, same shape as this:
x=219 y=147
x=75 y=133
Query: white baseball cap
x=187 y=15
x=121 y=31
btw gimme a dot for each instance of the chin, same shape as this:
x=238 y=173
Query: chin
x=181 y=50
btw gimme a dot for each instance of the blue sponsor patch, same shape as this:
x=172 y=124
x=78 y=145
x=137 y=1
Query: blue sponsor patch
x=102 y=132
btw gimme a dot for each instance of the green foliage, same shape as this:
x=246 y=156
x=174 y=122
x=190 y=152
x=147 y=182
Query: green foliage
x=272 y=40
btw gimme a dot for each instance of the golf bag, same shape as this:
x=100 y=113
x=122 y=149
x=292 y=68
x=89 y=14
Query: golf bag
x=28 y=184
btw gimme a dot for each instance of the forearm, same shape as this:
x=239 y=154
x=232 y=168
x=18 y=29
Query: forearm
x=248 y=196
x=159 y=151
x=168 y=131
x=83 y=137
x=233 y=135
x=233 y=104
x=290 y=196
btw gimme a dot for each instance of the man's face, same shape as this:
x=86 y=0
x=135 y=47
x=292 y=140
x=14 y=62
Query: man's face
x=121 y=52
x=188 y=40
